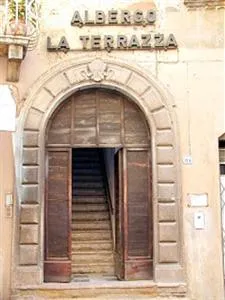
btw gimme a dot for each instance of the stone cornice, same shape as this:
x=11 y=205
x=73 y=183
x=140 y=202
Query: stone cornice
x=194 y=4
x=15 y=40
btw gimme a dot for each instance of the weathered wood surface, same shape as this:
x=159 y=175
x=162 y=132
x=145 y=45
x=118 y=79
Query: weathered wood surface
x=58 y=216
x=97 y=117
x=138 y=223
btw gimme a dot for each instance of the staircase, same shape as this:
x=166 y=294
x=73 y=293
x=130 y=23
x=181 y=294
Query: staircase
x=92 y=251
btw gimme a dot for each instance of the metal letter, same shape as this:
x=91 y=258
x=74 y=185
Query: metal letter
x=159 y=40
x=113 y=17
x=125 y=17
x=134 y=43
x=86 y=20
x=76 y=20
x=151 y=16
x=138 y=17
x=50 y=47
x=108 y=42
x=171 y=42
x=95 y=42
x=121 y=42
x=146 y=38
x=63 y=44
x=84 y=39
x=99 y=17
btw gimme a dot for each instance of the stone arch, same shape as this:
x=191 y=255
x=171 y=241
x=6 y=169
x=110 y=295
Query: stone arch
x=156 y=104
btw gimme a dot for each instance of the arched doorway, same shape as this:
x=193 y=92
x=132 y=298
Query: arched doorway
x=98 y=207
x=48 y=92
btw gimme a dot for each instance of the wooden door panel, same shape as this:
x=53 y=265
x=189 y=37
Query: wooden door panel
x=57 y=230
x=109 y=117
x=136 y=132
x=138 y=259
x=138 y=203
x=58 y=216
x=60 y=125
x=84 y=119
x=98 y=117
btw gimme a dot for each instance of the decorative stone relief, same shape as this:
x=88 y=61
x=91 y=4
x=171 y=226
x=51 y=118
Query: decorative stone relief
x=97 y=71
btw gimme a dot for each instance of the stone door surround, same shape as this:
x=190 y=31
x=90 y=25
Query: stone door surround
x=43 y=98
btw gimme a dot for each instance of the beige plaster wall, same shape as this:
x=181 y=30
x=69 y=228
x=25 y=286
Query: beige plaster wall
x=200 y=111
x=194 y=76
x=6 y=186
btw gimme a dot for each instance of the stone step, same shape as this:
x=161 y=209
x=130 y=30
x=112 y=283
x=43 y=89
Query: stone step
x=104 y=289
x=95 y=277
x=89 y=188
x=89 y=257
x=94 y=268
x=88 y=184
x=88 y=192
x=76 y=216
x=98 y=235
x=89 y=207
x=93 y=246
x=87 y=171
x=87 y=178
x=92 y=225
x=88 y=199
x=80 y=164
x=85 y=159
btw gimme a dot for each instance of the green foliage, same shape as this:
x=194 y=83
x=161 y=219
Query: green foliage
x=21 y=9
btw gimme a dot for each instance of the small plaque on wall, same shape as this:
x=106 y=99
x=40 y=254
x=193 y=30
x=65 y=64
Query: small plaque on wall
x=198 y=200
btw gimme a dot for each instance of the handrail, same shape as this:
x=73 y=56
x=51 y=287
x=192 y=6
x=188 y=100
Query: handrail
x=108 y=197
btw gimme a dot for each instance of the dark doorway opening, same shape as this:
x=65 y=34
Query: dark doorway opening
x=92 y=237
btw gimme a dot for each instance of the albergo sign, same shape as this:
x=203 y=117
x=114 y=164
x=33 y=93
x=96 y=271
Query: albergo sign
x=144 y=41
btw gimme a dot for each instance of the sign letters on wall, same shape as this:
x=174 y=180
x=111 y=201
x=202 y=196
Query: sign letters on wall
x=146 y=41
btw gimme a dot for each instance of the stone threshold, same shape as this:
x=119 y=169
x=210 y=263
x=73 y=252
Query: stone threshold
x=100 y=283
x=100 y=288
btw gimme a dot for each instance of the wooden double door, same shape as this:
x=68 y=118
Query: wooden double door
x=122 y=122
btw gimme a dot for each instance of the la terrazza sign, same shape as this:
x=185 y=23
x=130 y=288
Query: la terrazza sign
x=95 y=42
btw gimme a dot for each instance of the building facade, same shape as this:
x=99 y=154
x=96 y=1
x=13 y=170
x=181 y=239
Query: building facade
x=112 y=134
